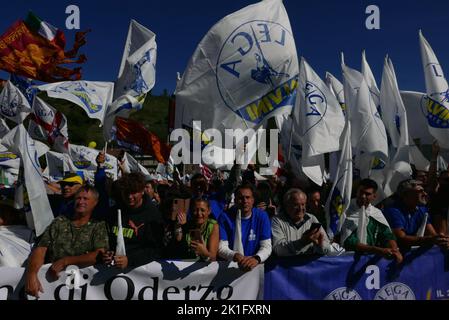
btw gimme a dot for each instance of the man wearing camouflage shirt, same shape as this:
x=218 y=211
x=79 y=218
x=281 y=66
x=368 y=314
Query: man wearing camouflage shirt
x=69 y=241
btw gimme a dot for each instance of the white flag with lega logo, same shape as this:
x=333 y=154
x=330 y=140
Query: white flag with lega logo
x=368 y=135
x=415 y=104
x=243 y=71
x=438 y=94
x=336 y=88
x=318 y=118
x=92 y=96
x=19 y=141
x=13 y=104
x=137 y=73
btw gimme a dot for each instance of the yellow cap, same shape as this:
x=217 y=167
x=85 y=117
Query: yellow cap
x=73 y=178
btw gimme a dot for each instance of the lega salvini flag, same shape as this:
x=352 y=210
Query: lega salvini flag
x=133 y=135
x=13 y=104
x=243 y=71
x=437 y=92
x=20 y=142
x=92 y=96
x=319 y=119
x=137 y=74
x=35 y=49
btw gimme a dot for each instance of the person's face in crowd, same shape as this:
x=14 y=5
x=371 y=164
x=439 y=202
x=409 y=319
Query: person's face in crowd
x=315 y=200
x=199 y=187
x=245 y=201
x=149 y=190
x=296 y=207
x=365 y=196
x=416 y=196
x=134 y=199
x=85 y=203
x=421 y=176
x=201 y=212
x=69 y=189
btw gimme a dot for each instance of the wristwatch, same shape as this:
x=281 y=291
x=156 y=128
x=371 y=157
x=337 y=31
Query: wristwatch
x=257 y=258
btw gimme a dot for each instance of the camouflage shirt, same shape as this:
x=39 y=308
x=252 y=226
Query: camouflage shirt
x=63 y=239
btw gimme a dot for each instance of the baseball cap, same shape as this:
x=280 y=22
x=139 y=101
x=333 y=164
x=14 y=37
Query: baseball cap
x=72 y=178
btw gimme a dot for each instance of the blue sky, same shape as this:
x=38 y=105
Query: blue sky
x=322 y=29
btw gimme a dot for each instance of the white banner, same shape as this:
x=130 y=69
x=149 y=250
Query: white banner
x=84 y=160
x=13 y=104
x=243 y=71
x=158 y=280
x=92 y=96
x=137 y=73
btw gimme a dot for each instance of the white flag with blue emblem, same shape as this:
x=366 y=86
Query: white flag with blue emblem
x=438 y=94
x=137 y=73
x=122 y=107
x=13 y=104
x=84 y=160
x=92 y=96
x=19 y=141
x=318 y=118
x=243 y=71
x=415 y=104
x=368 y=135
x=395 y=120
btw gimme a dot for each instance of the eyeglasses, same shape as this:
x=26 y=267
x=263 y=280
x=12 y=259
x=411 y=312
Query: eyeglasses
x=69 y=184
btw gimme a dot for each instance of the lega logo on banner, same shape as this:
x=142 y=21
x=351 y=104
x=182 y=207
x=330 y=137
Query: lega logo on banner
x=257 y=60
x=343 y=293
x=395 y=291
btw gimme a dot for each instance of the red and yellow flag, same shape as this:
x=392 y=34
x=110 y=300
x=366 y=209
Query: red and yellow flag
x=133 y=135
x=24 y=50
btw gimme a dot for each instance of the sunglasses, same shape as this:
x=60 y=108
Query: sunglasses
x=69 y=184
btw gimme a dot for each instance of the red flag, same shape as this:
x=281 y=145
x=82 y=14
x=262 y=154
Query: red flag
x=24 y=50
x=133 y=135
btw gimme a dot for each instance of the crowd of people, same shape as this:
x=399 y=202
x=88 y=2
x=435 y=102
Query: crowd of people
x=238 y=219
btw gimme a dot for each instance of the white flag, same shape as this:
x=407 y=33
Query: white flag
x=243 y=71
x=4 y=129
x=13 y=104
x=53 y=124
x=122 y=107
x=20 y=142
x=337 y=88
x=368 y=135
x=318 y=118
x=370 y=81
x=58 y=164
x=84 y=159
x=438 y=94
x=120 y=247
x=395 y=120
x=340 y=195
x=415 y=104
x=137 y=74
x=92 y=96
x=131 y=165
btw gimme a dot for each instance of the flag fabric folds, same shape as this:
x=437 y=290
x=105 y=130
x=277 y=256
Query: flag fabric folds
x=93 y=96
x=53 y=124
x=437 y=104
x=243 y=71
x=137 y=74
x=20 y=142
x=134 y=136
x=35 y=49
x=318 y=118
x=13 y=104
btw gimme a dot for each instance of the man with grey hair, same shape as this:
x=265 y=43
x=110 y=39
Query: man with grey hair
x=296 y=232
x=409 y=218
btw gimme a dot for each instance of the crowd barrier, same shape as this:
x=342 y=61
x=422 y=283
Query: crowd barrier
x=423 y=275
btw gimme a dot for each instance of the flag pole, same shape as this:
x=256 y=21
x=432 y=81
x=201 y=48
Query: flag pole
x=290 y=140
